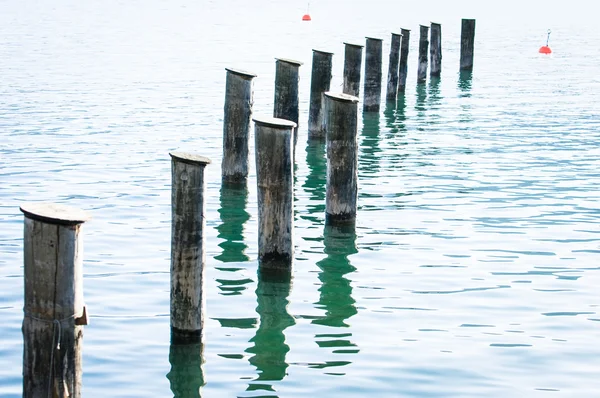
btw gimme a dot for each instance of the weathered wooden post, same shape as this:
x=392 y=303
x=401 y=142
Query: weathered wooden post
x=320 y=82
x=274 y=179
x=54 y=313
x=467 y=44
x=236 y=125
x=286 y=92
x=352 y=65
x=423 y=50
x=373 y=74
x=187 y=247
x=341 y=120
x=403 y=69
x=435 y=50
x=392 y=82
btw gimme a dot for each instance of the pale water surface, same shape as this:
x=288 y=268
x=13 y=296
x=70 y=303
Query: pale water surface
x=474 y=267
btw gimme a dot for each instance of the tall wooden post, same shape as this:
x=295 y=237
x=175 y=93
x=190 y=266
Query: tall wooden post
x=352 y=65
x=392 y=82
x=187 y=247
x=54 y=313
x=320 y=82
x=274 y=179
x=373 y=74
x=423 y=50
x=341 y=119
x=286 y=92
x=467 y=44
x=435 y=50
x=403 y=69
x=236 y=125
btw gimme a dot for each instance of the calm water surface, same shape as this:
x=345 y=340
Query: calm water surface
x=473 y=269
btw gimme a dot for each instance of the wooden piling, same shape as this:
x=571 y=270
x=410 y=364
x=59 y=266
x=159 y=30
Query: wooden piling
x=423 y=50
x=54 y=312
x=187 y=247
x=373 y=74
x=320 y=82
x=403 y=69
x=274 y=178
x=341 y=120
x=467 y=44
x=392 y=82
x=435 y=50
x=236 y=125
x=352 y=65
x=286 y=92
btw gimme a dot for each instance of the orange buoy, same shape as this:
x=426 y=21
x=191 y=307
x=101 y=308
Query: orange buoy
x=545 y=49
x=306 y=17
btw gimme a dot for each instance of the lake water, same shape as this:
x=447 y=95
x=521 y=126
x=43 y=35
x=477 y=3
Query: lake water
x=473 y=270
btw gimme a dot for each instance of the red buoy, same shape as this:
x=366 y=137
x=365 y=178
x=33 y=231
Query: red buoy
x=545 y=49
x=306 y=17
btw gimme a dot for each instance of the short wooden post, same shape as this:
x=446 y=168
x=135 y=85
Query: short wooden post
x=392 y=82
x=467 y=44
x=320 y=82
x=341 y=121
x=54 y=313
x=435 y=50
x=403 y=69
x=236 y=125
x=187 y=247
x=286 y=92
x=423 y=50
x=352 y=65
x=274 y=179
x=373 y=74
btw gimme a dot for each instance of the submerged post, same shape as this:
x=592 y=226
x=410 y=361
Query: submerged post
x=423 y=49
x=236 y=125
x=187 y=247
x=341 y=119
x=54 y=313
x=274 y=179
x=467 y=44
x=403 y=69
x=352 y=65
x=373 y=74
x=392 y=82
x=286 y=92
x=320 y=82
x=435 y=50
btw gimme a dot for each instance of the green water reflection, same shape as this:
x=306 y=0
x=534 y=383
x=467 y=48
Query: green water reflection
x=186 y=376
x=315 y=181
x=269 y=348
x=233 y=216
x=369 y=158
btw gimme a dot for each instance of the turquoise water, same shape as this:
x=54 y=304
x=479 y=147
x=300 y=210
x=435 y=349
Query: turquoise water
x=473 y=269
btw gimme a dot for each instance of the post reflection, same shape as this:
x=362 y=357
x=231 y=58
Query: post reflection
x=421 y=98
x=233 y=217
x=269 y=347
x=315 y=181
x=465 y=80
x=186 y=376
x=369 y=157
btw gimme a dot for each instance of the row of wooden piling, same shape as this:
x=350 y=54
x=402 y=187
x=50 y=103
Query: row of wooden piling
x=54 y=310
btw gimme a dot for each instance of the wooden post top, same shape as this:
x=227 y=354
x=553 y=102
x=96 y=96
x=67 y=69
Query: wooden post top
x=405 y=30
x=436 y=23
x=289 y=61
x=373 y=38
x=53 y=213
x=190 y=158
x=240 y=72
x=274 y=122
x=322 y=52
x=353 y=45
x=424 y=26
x=341 y=97
x=397 y=34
